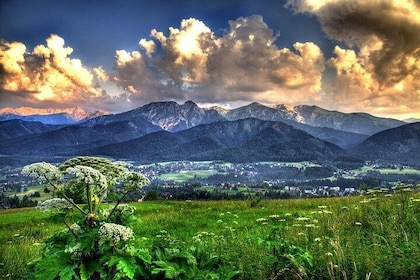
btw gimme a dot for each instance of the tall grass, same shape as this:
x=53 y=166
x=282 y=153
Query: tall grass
x=370 y=237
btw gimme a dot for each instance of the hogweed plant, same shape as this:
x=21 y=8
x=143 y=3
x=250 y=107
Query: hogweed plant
x=100 y=245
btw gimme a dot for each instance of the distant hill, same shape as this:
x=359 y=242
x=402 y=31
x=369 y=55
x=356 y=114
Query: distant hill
x=16 y=128
x=70 y=140
x=240 y=141
x=400 y=144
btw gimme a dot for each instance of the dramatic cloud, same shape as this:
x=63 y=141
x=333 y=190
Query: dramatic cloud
x=375 y=66
x=46 y=74
x=244 y=64
x=381 y=68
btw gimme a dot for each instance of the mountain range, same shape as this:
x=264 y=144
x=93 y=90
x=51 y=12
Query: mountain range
x=49 y=116
x=163 y=131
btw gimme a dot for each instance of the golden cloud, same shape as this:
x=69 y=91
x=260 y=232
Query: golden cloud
x=46 y=73
x=381 y=66
x=244 y=63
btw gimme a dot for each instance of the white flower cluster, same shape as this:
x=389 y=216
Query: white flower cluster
x=73 y=250
x=204 y=235
x=43 y=172
x=135 y=180
x=115 y=233
x=121 y=209
x=75 y=228
x=89 y=175
x=53 y=204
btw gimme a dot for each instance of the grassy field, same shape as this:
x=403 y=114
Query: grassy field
x=403 y=171
x=187 y=175
x=371 y=237
x=30 y=191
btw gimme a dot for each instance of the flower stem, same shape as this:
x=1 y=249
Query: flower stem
x=66 y=197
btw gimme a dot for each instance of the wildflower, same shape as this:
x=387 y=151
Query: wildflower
x=73 y=250
x=75 y=228
x=122 y=209
x=262 y=220
x=115 y=233
x=302 y=219
x=44 y=172
x=274 y=217
x=53 y=204
x=134 y=180
x=89 y=176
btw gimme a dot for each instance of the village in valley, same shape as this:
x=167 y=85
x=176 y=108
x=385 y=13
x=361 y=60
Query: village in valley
x=225 y=180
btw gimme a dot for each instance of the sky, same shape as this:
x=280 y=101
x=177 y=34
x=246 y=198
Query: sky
x=117 y=55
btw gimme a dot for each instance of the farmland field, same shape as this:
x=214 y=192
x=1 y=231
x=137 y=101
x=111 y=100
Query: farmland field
x=369 y=237
x=185 y=175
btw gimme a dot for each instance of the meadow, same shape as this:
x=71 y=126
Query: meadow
x=366 y=237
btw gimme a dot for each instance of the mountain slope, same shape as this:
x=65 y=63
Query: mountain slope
x=242 y=140
x=401 y=144
x=358 y=123
x=18 y=128
x=361 y=123
x=286 y=114
x=169 y=116
x=72 y=139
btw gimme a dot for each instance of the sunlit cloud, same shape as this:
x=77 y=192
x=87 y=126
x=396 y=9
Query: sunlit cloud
x=381 y=67
x=47 y=74
x=375 y=66
x=243 y=64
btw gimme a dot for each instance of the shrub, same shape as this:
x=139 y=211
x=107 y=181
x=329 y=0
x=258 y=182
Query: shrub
x=99 y=245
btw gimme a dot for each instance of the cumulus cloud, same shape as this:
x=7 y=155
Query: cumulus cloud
x=46 y=74
x=375 y=68
x=381 y=66
x=191 y=62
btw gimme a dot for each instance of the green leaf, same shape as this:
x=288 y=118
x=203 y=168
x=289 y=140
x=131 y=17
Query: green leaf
x=127 y=266
x=68 y=272
x=171 y=271
x=88 y=269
